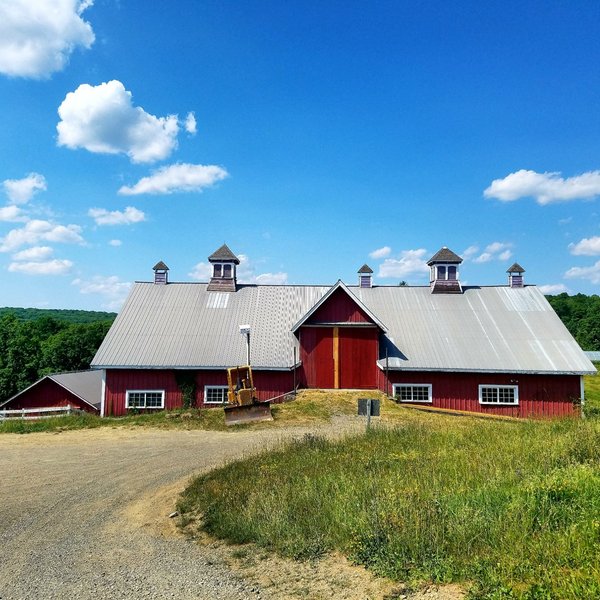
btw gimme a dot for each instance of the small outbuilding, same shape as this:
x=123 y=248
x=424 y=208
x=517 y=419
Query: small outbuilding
x=81 y=390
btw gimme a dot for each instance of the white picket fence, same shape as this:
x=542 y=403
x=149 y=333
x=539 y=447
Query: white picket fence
x=37 y=413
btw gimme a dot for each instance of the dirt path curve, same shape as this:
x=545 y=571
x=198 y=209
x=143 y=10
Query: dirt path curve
x=69 y=526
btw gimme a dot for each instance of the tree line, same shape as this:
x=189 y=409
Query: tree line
x=30 y=349
x=581 y=316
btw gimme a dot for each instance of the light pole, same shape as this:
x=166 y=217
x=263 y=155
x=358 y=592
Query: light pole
x=245 y=330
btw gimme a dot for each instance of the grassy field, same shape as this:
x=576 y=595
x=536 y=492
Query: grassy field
x=510 y=509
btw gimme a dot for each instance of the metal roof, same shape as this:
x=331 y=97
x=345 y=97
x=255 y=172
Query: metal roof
x=492 y=329
x=86 y=385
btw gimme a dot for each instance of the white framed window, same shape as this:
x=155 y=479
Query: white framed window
x=499 y=394
x=215 y=394
x=145 y=399
x=413 y=392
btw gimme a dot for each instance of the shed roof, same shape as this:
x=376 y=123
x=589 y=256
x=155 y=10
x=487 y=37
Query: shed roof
x=86 y=385
x=491 y=329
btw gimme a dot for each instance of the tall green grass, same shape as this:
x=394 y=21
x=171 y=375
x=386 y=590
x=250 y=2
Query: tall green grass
x=511 y=508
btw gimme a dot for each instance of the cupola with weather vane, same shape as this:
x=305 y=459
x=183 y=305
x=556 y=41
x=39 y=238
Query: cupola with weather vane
x=224 y=263
x=443 y=274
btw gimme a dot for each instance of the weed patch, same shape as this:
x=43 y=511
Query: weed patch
x=511 y=507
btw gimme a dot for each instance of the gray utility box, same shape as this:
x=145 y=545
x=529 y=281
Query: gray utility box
x=364 y=404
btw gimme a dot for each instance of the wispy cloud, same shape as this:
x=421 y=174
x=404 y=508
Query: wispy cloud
x=103 y=119
x=553 y=288
x=37 y=38
x=115 y=243
x=116 y=217
x=190 y=123
x=544 y=187
x=409 y=263
x=50 y=267
x=590 y=273
x=380 y=253
x=494 y=251
x=20 y=191
x=111 y=289
x=12 y=214
x=180 y=177
x=586 y=247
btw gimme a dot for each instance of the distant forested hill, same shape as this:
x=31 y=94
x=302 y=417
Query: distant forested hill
x=69 y=316
x=581 y=316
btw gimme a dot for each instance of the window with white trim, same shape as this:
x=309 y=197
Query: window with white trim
x=145 y=399
x=215 y=394
x=499 y=394
x=412 y=392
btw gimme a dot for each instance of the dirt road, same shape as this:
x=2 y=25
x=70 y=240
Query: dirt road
x=80 y=517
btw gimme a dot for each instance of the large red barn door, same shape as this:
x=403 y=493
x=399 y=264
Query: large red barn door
x=317 y=356
x=358 y=349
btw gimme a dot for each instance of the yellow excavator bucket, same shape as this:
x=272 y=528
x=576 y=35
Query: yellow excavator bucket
x=243 y=405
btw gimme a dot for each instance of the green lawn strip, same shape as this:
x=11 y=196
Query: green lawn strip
x=511 y=508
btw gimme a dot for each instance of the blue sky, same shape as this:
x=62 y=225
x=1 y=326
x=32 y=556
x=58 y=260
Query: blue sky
x=311 y=137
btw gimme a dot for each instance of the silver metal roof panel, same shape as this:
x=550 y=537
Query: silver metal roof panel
x=493 y=329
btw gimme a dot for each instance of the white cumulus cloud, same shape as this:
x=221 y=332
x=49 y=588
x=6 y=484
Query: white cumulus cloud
x=115 y=243
x=190 y=123
x=103 y=119
x=36 y=231
x=12 y=214
x=36 y=253
x=586 y=247
x=410 y=263
x=380 y=252
x=181 y=177
x=553 y=288
x=544 y=187
x=279 y=278
x=38 y=36
x=111 y=289
x=50 y=267
x=116 y=217
x=590 y=273
x=20 y=191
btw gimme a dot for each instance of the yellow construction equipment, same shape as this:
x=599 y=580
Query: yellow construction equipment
x=243 y=405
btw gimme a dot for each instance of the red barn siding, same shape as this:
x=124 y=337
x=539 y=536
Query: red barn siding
x=339 y=308
x=358 y=353
x=46 y=394
x=539 y=395
x=269 y=384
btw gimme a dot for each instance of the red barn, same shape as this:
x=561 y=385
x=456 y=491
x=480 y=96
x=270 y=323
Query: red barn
x=497 y=349
x=81 y=390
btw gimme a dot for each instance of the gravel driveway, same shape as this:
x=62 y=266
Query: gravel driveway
x=80 y=516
